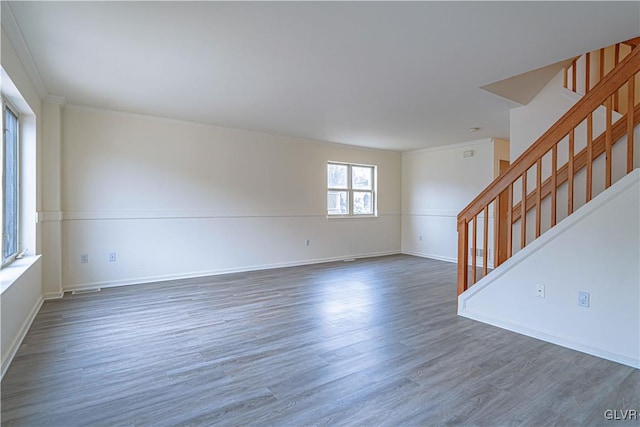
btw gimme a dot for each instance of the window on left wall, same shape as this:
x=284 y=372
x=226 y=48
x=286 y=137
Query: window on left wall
x=10 y=184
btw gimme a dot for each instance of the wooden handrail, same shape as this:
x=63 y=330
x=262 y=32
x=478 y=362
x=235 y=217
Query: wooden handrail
x=580 y=161
x=632 y=42
x=607 y=90
x=582 y=69
x=571 y=119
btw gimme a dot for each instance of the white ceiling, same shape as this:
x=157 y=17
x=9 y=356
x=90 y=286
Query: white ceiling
x=393 y=75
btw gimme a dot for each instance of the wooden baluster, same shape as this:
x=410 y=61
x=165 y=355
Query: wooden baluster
x=463 y=251
x=630 y=121
x=497 y=227
x=570 y=171
x=602 y=53
x=509 y=220
x=485 y=241
x=474 y=251
x=554 y=183
x=616 y=96
x=565 y=83
x=538 y=195
x=589 y=155
x=523 y=212
x=587 y=73
x=502 y=225
x=574 y=73
x=607 y=142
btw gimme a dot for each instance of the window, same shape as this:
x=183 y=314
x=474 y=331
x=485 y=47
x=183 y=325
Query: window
x=10 y=171
x=350 y=189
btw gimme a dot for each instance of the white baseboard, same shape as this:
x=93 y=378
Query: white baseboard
x=196 y=274
x=15 y=345
x=446 y=259
x=554 y=339
x=53 y=295
x=430 y=256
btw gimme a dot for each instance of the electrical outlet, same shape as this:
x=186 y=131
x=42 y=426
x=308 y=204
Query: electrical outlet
x=540 y=291
x=112 y=257
x=479 y=252
x=584 y=299
x=84 y=258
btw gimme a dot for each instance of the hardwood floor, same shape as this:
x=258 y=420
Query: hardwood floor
x=371 y=342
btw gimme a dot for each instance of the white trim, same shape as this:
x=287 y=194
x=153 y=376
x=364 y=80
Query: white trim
x=7 y=106
x=430 y=256
x=10 y=25
x=15 y=345
x=447 y=213
x=629 y=361
x=49 y=216
x=197 y=274
x=12 y=272
x=350 y=217
x=450 y=146
x=53 y=295
x=178 y=214
x=454 y=260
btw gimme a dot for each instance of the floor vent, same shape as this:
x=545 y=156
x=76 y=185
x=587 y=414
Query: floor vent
x=85 y=291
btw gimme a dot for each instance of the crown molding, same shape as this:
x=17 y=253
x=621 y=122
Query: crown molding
x=12 y=29
x=451 y=146
x=55 y=99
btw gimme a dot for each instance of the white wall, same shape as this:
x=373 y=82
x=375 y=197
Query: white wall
x=21 y=285
x=19 y=305
x=529 y=122
x=596 y=250
x=436 y=185
x=177 y=199
x=50 y=214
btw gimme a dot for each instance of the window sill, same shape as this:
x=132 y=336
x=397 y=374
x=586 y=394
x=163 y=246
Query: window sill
x=352 y=216
x=11 y=273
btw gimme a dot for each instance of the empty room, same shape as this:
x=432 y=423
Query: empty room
x=320 y=213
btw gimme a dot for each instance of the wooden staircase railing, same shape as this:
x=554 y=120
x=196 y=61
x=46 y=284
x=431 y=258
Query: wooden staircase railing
x=505 y=194
x=587 y=70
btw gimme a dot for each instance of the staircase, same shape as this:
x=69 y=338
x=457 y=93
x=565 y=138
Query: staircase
x=565 y=168
x=586 y=71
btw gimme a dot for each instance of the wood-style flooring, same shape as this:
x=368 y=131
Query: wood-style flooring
x=375 y=342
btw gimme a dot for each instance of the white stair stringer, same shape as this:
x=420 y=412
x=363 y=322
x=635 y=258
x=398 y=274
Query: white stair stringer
x=594 y=250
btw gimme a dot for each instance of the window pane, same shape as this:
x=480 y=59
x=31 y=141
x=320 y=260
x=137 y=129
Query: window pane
x=337 y=176
x=362 y=178
x=338 y=202
x=10 y=216
x=362 y=203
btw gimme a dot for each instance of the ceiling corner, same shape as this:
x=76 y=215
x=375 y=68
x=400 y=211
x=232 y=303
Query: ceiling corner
x=12 y=30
